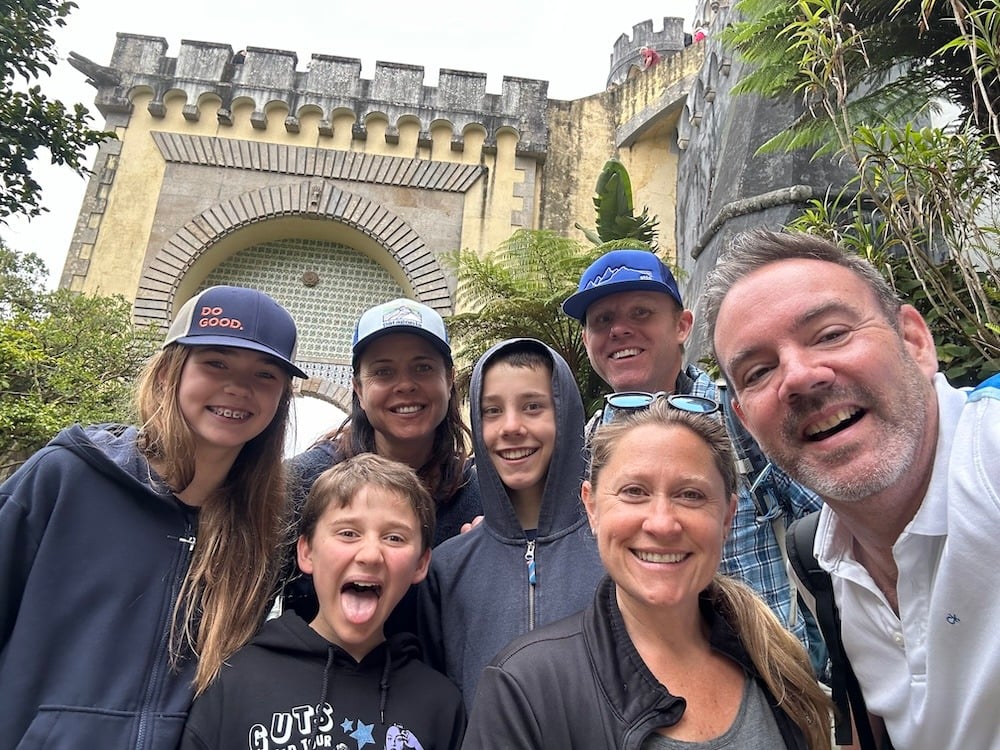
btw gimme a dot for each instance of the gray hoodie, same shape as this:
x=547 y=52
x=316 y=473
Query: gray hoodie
x=479 y=595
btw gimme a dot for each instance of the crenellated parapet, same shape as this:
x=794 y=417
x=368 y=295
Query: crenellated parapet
x=666 y=42
x=330 y=85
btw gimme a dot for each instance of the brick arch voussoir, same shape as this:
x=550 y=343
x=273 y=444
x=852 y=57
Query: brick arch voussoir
x=325 y=390
x=161 y=279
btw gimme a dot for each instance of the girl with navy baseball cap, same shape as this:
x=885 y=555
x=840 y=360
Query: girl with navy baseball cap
x=135 y=559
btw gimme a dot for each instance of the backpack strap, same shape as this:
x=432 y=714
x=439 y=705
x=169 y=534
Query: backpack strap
x=847 y=697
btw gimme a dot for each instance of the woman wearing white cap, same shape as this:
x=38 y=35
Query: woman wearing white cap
x=135 y=560
x=404 y=407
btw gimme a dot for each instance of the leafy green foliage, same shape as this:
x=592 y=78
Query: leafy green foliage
x=21 y=276
x=616 y=219
x=64 y=358
x=870 y=61
x=968 y=352
x=517 y=290
x=29 y=121
x=923 y=205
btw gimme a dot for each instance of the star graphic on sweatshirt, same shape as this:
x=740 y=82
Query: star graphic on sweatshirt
x=347 y=726
x=363 y=734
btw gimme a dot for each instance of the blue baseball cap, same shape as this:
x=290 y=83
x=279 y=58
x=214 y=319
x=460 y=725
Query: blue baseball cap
x=239 y=317
x=400 y=316
x=620 y=271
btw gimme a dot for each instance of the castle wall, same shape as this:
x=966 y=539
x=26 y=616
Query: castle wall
x=625 y=58
x=266 y=100
x=218 y=159
x=724 y=186
x=636 y=122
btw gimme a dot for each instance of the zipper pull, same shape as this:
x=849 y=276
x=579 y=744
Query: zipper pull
x=188 y=540
x=529 y=557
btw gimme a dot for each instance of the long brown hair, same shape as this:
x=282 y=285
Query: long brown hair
x=778 y=656
x=233 y=574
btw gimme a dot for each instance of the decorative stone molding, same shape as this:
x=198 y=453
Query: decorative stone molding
x=792 y=194
x=316 y=199
x=211 y=151
x=329 y=84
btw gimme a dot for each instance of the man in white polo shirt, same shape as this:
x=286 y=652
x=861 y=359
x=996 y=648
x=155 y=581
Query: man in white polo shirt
x=839 y=383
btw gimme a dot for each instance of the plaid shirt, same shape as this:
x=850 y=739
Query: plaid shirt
x=752 y=552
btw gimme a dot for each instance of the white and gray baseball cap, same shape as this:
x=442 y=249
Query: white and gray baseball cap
x=401 y=316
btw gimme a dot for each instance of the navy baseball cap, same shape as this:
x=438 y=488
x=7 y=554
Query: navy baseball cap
x=620 y=271
x=239 y=317
x=400 y=316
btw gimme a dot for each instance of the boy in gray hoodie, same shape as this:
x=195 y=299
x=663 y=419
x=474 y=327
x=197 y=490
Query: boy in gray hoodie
x=532 y=560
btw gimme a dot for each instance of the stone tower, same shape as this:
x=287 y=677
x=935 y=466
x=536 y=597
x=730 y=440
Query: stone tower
x=723 y=186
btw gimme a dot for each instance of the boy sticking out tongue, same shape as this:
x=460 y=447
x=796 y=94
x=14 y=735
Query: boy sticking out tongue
x=365 y=537
x=366 y=550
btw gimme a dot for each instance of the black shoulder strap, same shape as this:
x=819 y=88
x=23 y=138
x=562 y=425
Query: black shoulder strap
x=844 y=684
x=801 y=535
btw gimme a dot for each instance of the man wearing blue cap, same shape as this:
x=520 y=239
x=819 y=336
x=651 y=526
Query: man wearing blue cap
x=634 y=328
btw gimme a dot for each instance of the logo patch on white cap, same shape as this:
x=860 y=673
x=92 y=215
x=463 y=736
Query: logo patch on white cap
x=404 y=315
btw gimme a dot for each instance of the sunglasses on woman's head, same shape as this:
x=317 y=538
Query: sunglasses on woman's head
x=629 y=401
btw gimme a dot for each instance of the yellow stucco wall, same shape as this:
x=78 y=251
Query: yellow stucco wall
x=117 y=257
x=516 y=191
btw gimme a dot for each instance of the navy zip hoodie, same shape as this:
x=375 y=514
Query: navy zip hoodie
x=291 y=688
x=478 y=595
x=92 y=555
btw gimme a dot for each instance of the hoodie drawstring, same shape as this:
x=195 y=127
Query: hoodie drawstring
x=383 y=689
x=383 y=685
x=330 y=651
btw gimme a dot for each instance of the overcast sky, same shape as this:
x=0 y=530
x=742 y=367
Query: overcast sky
x=560 y=41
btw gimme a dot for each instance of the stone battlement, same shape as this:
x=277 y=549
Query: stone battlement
x=330 y=85
x=667 y=42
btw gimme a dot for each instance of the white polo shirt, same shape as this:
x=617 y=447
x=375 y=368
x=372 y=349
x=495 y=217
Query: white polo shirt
x=933 y=673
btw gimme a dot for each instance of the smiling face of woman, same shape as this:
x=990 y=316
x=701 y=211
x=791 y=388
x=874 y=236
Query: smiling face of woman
x=403 y=384
x=660 y=512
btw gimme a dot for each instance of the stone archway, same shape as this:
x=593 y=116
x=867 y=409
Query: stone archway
x=312 y=199
x=325 y=390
